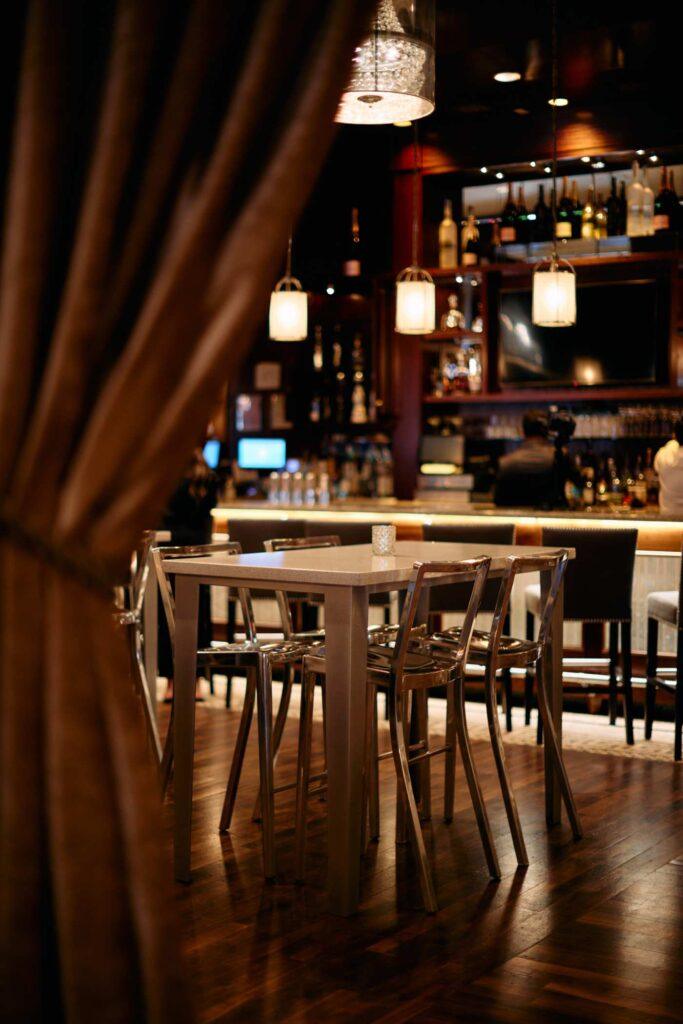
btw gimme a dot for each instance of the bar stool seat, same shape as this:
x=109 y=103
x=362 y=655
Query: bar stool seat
x=532 y=599
x=510 y=650
x=663 y=605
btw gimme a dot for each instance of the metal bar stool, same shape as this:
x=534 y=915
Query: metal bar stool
x=496 y=651
x=406 y=667
x=665 y=607
x=256 y=658
x=454 y=598
x=598 y=587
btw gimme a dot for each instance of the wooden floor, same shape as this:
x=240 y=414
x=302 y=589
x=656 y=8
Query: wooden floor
x=591 y=931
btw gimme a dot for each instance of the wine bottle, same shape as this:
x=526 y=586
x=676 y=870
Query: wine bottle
x=666 y=204
x=675 y=214
x=623 y=208
x=522 y=220
x=448 y=241
x=563 y=226
x=600 y=218
x=508 y=220
x=648 y=207
x=577 y=211
x=339 y=379
x=543 y=221
x=469 y=241
x=352 y=265
x=315 y=410
x=588 y=215
x=634 y=204
x=613 y=210
x=359 y=410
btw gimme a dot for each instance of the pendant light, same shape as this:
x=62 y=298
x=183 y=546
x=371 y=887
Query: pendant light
x=392 y=76
x=288 y=316
x=554 y=279
x=415 y=291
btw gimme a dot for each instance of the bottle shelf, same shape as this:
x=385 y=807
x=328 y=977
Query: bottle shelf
x=566 y=395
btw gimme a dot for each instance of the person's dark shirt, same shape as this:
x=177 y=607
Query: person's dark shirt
x=527 y=477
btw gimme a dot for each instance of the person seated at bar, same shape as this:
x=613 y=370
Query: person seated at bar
x=534 y=475
x=669 y=468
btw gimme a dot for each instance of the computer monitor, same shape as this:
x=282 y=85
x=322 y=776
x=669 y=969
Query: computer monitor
x=261 y=453
x=212 y=453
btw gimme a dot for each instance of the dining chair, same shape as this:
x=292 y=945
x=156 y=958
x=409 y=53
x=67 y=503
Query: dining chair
x=255 y=657
x=406 y=668
x=664 y=607
x=496 y=652
x=129 y=604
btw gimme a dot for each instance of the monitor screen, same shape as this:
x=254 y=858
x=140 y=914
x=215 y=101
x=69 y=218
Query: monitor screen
x=261 y=453
x=212 y=453
x=613 y=341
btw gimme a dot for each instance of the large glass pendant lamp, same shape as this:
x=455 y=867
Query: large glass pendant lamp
x=554 y=279
x=415 y=291
x=392 y=75
x=288 y=316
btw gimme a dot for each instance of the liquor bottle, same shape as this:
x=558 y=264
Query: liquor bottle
x=352 y=265
x=339 y=382
x=651 y=479
x=623 y=207
x=634 y=204
x=600 y=218
x=315 y=411
x=588 y=492
x=469 y=241
x=577 y=211
x=601 y=487
x=359 y=409
x=508 y=220
x=666 y=204
x=543 y=221
x=563 y=227
x=675 y=215
x=448 y=237
x=522 y=221
x=648 y=207
x=588 y=215
x=452 y=319
x=613 y=210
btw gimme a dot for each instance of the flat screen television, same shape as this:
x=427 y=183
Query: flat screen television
x=614 y=340
x=261 y=453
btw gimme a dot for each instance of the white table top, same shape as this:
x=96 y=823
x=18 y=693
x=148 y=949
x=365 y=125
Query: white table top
x=352 y=565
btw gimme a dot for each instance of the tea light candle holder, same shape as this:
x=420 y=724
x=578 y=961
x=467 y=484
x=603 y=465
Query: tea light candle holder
x=383 y=539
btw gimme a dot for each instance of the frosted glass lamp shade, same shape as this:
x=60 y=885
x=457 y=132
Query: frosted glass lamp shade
x=415 y=302
x=392 y=76
x=288 y=317
x=554 y=295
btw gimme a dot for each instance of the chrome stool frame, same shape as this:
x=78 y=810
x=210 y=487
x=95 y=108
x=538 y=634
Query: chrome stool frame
x=665 y=607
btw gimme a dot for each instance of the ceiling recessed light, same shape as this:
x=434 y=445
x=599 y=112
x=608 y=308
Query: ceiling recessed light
x=640 y=152
x=547 y=170
x=532 y=163
x=402 y=124
x=459 y=279
x=598 y=165
x=559 y=101
x=585 y=159
x=484 y=170
x=330 y=289
x=654 y=158
x=499 y=175
x=507 y=76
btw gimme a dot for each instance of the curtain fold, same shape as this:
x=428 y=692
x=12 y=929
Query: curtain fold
x=160 y=153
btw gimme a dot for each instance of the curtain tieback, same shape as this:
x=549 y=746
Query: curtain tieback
x=65 y=558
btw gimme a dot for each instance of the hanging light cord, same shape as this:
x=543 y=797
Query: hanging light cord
x=553 y=8
x=413 y=258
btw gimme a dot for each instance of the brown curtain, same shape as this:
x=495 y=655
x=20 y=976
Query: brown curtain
x=156 y=154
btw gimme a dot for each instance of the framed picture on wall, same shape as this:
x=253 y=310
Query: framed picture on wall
x=267 y=376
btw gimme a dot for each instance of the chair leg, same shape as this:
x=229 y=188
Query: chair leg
x=556 y=754
x=421 y=707
x=651 y=673
x=303 y=772
x=501 y=766
x=238 y=755
x=279 y=727
x=166 y=767
x=626 y=680
x=264 y=715
x=472 y=777
x=539 y=731
x=678 y=713
x=405 y=786
x=451 y=748
x=402 y=831
x=228 y=691
x=613 y=665
x=373 y=767
x=529 y=675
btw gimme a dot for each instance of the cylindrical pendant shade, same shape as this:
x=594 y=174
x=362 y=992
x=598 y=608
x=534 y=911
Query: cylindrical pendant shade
x=288 y=316
x=392 y=77
x=415 y=302
x=554 y=295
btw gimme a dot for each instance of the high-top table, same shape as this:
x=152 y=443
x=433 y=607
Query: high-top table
x=345 y=576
